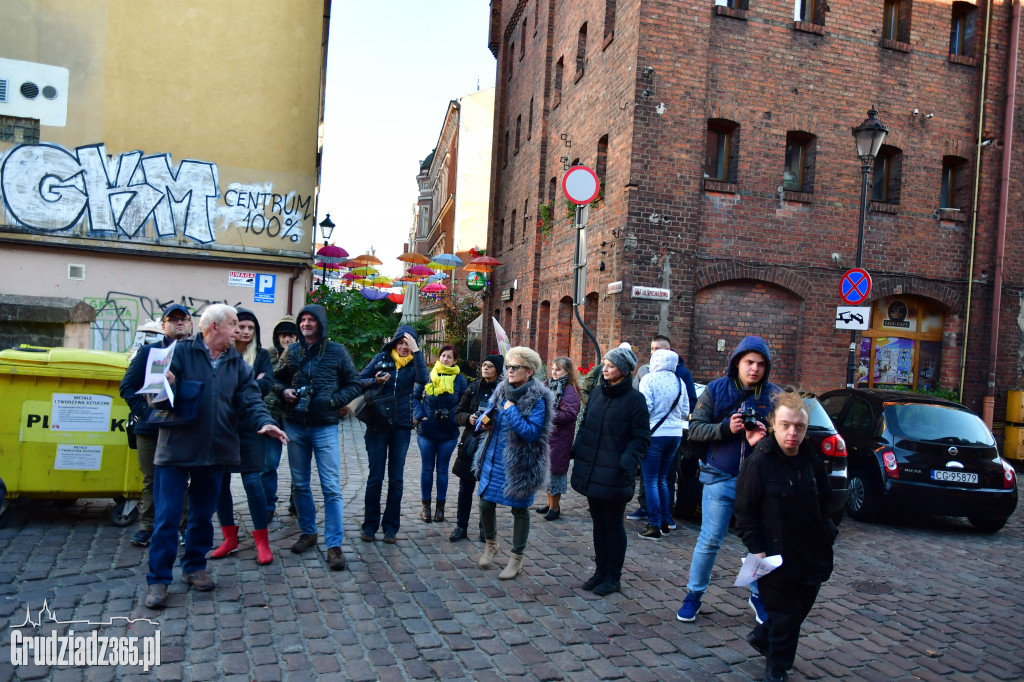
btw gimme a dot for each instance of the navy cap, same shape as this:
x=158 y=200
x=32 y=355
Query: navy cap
x=176 y=307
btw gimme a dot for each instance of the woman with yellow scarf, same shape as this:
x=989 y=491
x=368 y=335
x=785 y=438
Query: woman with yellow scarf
x=437 y=432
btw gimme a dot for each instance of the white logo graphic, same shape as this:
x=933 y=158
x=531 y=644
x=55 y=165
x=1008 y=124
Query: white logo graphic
x=82 y=650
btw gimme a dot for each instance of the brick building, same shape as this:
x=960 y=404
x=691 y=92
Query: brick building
x=721 y=132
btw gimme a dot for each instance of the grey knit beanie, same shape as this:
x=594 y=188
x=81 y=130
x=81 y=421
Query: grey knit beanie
x=622 y=357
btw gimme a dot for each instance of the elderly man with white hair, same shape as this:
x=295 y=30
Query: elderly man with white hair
x=194 y=455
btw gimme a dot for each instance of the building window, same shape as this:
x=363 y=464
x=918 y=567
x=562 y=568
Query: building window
x=511 y=54
x=601 y=167
x=609 y=20
x=499 y=238
x=732 y=4
x=798 y=175
x=886 y=175
x=962 y=29
x=519 y=125
x=522 y=41
x=810 y=11
x=556 y=94
x=504 y=155
x=722 y=155
x=19 y=130
x=896 y=16
x=512 y=229
x=526 y=218
x=581 y=51
x=529 y=122
x=954 y=183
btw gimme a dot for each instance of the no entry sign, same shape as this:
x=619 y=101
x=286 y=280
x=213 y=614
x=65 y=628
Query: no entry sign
x=855 y=286
x=580 y=185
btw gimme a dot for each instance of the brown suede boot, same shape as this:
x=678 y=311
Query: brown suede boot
x=439 y=512
x=425 y=513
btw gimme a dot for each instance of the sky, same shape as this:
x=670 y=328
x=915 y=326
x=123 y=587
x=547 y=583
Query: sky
x=392 y=68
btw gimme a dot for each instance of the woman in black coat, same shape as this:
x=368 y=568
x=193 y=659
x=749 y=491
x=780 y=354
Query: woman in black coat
x=252 y=453
x=612 y=440
x=471 y=406
x=782 y=500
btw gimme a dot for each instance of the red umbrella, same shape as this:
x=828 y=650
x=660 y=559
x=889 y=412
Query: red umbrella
x=434 y=288
x=350 y=276
x=420 y=270
x=486 y=260
x=396 y=298
x=331 y=254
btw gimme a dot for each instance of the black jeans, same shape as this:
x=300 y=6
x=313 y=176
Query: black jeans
x=787 y=606
x=466 y=487
x=609 y=537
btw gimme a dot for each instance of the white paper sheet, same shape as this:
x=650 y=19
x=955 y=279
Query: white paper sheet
x=755 y=567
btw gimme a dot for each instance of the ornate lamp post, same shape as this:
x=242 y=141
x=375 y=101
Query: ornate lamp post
x=326 y=230
x=869 y=136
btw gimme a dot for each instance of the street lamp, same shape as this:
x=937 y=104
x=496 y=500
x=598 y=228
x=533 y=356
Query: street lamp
x=869 y=136
x=326 y=230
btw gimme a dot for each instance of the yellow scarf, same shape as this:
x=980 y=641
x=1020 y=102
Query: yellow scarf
x=442 y=379
x=400 y=362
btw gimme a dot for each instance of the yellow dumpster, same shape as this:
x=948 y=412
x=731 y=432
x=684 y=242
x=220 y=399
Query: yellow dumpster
x=62 y=428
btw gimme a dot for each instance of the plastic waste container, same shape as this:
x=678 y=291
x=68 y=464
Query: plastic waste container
x=62 y=428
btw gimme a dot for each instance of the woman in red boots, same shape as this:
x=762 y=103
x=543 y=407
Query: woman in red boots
x=252 y=453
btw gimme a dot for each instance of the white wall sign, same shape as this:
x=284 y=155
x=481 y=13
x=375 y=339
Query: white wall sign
x=652 y=293
x=80 y=412
x=615 y=287
x=853 y=317
x=79 y=457
x=241 y=279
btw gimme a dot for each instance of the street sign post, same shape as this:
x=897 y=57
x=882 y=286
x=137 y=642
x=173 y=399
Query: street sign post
x=855 y=286
x=581 y=186
x=853 y=317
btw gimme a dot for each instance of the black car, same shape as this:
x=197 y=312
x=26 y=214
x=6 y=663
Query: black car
x=918 y=453
x=823 y=437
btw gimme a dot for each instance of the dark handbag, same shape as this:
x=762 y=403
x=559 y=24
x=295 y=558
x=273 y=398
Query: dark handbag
x=378 y=409
x=187 y=397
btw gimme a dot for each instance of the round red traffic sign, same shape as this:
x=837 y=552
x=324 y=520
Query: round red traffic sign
x=855 y=287
x=580 y=185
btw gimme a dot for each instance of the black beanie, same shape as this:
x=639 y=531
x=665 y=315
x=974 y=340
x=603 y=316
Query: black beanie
x=498 y=362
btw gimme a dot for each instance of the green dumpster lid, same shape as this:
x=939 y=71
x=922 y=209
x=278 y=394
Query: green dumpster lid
x=64 y=362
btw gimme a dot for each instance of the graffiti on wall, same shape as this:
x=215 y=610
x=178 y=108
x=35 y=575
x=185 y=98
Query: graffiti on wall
x=119 y=314
x=134 y=197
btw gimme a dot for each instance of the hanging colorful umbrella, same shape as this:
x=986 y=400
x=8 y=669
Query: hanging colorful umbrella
x=434 y=288
x=448 y=260
x=327 y=265
x=365 y=270
x=396 y=298
x=381 y=281
x=350 y=276
x=373 y=294
x=486 y=260
x=436 y=278
x=332 y=254
x=414 y=258
x=368 y=259
x=420 y=270
x=477 y=267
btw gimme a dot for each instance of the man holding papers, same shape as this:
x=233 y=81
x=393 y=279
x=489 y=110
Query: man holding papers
x=782 y=496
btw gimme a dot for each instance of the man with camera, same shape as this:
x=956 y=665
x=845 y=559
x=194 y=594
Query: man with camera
x=728 y=408
x=316 y=376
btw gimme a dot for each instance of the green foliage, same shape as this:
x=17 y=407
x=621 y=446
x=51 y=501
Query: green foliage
x=362 y=325
x=545 y=223
x=457 y=316
x=570 y=210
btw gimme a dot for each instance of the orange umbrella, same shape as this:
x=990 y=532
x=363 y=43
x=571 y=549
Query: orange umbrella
x=477 y=267
x=368 y=259
x=414 y=258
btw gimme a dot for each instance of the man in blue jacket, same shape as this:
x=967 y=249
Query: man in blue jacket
x=177 y=326
x=719 y=421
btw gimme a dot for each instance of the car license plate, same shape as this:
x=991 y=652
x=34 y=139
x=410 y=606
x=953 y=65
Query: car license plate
x=954 y=476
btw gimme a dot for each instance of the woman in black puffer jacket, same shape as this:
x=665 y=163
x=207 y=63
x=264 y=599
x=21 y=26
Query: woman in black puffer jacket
x=612 y=440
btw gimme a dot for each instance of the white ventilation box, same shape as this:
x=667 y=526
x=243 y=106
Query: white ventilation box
x=31 y=90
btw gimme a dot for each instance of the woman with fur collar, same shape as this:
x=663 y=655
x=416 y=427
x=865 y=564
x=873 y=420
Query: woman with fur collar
x=514 y=461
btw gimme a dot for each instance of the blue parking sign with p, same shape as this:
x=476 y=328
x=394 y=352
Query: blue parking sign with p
x=264 y=290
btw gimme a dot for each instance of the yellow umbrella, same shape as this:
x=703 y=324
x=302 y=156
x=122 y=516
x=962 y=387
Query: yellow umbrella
x=439 y=266
x=365 y=270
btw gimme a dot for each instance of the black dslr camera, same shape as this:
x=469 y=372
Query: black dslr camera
x=441 y=415
x=386 y=365
x=750 y=420
x=305 y=395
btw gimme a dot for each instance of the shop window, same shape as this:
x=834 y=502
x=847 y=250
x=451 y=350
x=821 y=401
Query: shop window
x=886 y=175
x=722 y=150
x=962 y=28
x=903 y=347
x=798 y=174
x=953 y=194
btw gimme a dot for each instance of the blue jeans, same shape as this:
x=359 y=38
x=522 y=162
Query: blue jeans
x=268 y=477
x=321 y=442
x=715 y=514
x=253 y=494
x=169 y=488
x=435 y=454
x=385 y=449
x=655 y=471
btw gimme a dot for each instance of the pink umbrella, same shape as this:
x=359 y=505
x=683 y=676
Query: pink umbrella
x=434 y=288
x=421 y=270
x=331 y=254
x=350 y=276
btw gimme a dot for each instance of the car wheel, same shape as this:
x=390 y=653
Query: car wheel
x=863 y=501
x=986 y=525
x=837 y=517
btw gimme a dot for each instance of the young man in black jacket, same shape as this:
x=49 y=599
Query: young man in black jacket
x=316 y=377
x=782 y=497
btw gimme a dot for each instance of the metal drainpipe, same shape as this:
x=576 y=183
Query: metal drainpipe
x=296 y=273
x=974 y=201
x=1004 y=190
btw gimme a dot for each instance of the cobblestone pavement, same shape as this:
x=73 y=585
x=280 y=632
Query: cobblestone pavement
x=913 y=599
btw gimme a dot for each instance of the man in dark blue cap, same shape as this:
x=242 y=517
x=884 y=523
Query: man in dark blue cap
x=177 y=325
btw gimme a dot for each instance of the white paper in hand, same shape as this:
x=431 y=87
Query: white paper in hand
x=155 y=385
x=755 y=567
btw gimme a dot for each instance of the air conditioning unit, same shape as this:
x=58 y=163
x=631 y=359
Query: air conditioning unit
x=31 y=90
